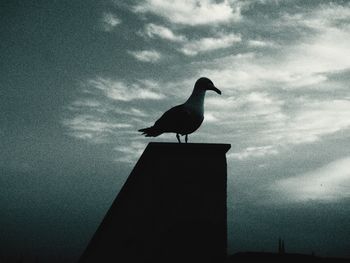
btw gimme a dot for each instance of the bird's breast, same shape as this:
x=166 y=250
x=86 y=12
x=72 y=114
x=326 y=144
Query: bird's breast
x=193 y=122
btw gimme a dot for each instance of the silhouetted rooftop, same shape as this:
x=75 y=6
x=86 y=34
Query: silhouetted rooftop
x=190 y=146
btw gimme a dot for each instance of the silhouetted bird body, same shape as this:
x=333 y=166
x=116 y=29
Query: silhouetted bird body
x=186 y=118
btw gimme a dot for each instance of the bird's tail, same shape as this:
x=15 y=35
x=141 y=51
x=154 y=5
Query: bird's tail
x=150 y=132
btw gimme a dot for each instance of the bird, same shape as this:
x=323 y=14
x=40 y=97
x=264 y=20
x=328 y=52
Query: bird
x=185 y=118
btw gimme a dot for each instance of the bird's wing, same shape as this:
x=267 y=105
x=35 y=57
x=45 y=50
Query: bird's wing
x=175 y=119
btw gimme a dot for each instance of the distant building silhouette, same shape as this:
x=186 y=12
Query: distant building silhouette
x=276 y=257
x=281 y=249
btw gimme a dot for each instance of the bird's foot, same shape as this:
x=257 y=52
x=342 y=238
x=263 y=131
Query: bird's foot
x=178 y=137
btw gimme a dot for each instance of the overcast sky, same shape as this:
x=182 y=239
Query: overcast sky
x=79 y=78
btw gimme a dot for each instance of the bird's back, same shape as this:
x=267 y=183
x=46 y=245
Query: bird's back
x=179 y=119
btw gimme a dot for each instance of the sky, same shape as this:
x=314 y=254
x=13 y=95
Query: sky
x=79 y=78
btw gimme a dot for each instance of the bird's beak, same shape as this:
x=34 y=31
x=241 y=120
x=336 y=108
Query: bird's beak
x=212 y=87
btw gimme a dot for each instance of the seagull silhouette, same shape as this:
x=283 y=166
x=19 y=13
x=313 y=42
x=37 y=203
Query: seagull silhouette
x=186 y=118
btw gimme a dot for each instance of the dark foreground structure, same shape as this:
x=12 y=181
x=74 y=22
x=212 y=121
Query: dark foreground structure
x=172 y=208
x=248 y=257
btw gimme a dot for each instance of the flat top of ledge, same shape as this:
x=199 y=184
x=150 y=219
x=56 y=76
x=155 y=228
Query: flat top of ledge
x=189 y=146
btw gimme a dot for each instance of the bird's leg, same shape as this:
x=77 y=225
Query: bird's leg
x=186 y=138
x=178 y=137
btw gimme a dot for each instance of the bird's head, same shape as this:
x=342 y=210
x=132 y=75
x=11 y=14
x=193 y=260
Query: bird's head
x=204 y=84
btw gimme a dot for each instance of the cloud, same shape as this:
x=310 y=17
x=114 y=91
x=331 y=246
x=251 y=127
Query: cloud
x=257 y=151
x=130 y=152
x=310 y=62
x=119 y=91
x=328 y=183
x=92 y=103
x=329 y=15
x=306 y=61
x=265 y=124
x=210 y=117
x=249 y=103
x=259 y=118
x=194 y=47
x=192 y=12
x=146 y=55
x=153 y=30
x=189 y=47
x=261 y=43
x=93 y=128
x=313 y=119
x=137 y=112
x=109 y=22
x=107 y=111
x=305 y=64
